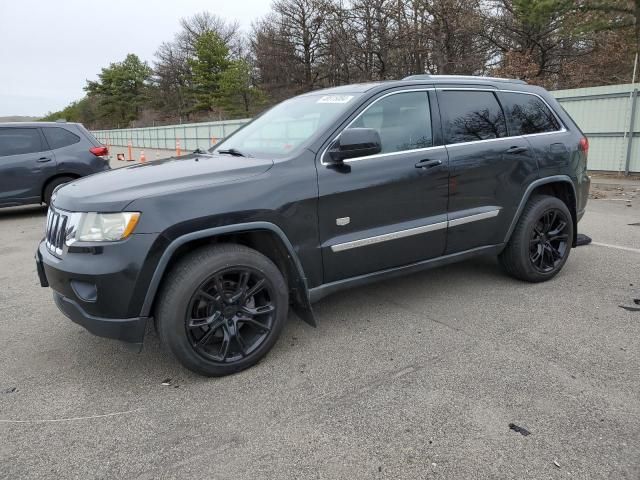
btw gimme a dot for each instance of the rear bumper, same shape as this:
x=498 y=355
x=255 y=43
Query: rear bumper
x=583 y=195
x=129 y=330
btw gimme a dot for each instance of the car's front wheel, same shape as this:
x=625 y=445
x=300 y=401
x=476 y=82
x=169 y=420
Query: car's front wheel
x=541 y=242
x=222 y=309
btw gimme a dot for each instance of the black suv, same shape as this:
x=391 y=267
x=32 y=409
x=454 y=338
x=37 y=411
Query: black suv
x=328 y=190
x=37 y=157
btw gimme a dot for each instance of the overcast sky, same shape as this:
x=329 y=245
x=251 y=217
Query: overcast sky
x=49 y=48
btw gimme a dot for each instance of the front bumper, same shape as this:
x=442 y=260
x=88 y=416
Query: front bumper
x=101 y=290
x=129 y=330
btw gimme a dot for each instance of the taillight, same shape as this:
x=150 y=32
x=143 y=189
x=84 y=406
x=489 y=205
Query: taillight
x=99 y=151
x=584 y=145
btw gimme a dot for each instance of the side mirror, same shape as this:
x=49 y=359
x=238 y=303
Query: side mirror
x=355 y=142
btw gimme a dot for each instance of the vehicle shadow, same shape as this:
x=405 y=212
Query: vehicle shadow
x=23 y=212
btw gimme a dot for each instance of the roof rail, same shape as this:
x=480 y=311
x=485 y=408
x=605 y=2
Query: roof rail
x=462 y=77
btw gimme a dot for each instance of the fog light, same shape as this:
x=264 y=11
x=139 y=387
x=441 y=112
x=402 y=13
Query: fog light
x=85 y=291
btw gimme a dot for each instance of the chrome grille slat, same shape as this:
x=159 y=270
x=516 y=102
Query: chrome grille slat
x=60 y=234
x=49 y=223
x=48 y=227
x=56 y=231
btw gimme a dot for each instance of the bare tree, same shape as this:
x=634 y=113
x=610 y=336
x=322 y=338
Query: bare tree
x=302 y=22
x=193 y=27
x=278 y=70
x=172 y=79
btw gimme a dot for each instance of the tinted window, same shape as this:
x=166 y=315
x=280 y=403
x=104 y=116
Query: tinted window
x=529 y=114
x=471 y=116
x=402 y=120
x=59 y=137
x=16 y=141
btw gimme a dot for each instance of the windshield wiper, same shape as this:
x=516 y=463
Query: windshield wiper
x=233 y=151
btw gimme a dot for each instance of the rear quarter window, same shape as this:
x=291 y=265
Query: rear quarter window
x=89 y=135
x=471 y=116
x=528 y=114
x=18 y=141
x=59 y=137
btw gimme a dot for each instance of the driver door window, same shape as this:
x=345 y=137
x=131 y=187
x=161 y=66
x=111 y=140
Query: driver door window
x=402 y=120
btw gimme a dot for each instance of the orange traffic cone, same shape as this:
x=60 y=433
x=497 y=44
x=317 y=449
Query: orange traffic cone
x=142 y=157
x=178 y=151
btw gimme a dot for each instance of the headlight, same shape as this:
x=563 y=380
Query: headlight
x=101 y=227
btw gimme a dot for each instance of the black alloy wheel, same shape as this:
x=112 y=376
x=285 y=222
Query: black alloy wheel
x=230 y=315
x=541 y=241
x=549 y=241
x=222 y=308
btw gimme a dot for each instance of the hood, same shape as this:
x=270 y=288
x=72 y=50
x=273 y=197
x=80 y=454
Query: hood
x=113 y=190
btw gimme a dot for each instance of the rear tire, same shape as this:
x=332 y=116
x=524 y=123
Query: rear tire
x=52 y=185
x=222 y=308
x=540 y=244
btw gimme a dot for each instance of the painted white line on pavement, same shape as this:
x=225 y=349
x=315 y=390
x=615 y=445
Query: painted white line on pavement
x=619 y=247
x=90 y=417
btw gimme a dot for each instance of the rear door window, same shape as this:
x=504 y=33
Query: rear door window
x=470 y=116
x=59 y=137
x=18 y=141
x=528 y=114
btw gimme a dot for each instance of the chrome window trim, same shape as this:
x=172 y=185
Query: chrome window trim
x=453 y=145
x=563 y=128
x=388 y=154
x=472 y=142
x=363 y=242
x=379 y=155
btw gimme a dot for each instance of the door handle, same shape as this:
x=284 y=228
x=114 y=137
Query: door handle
x=515 y=150
x=426 y=163
x=44 y=159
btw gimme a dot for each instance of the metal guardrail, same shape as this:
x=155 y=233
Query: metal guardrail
x=607 y=115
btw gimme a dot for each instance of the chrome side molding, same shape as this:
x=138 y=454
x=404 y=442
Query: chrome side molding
x=363 y=242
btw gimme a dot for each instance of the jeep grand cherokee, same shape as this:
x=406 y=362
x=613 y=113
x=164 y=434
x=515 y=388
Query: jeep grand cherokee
x=328 y=190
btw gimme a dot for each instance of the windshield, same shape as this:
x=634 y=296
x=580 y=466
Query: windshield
x=286 y=126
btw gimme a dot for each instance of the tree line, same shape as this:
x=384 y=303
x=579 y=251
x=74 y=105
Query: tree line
x=213 y=70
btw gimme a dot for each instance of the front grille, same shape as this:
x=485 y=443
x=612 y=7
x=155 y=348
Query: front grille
x=56 y=231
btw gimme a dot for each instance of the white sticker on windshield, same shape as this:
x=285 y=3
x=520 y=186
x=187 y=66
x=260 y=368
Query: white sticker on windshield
x=335 y=99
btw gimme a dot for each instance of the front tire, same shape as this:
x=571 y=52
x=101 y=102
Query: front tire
x=222 y=308
x=540 y=244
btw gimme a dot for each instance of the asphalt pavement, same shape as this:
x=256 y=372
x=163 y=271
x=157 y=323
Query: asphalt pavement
x=417 y=377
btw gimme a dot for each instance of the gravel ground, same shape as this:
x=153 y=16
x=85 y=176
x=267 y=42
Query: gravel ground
x=414 y=378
